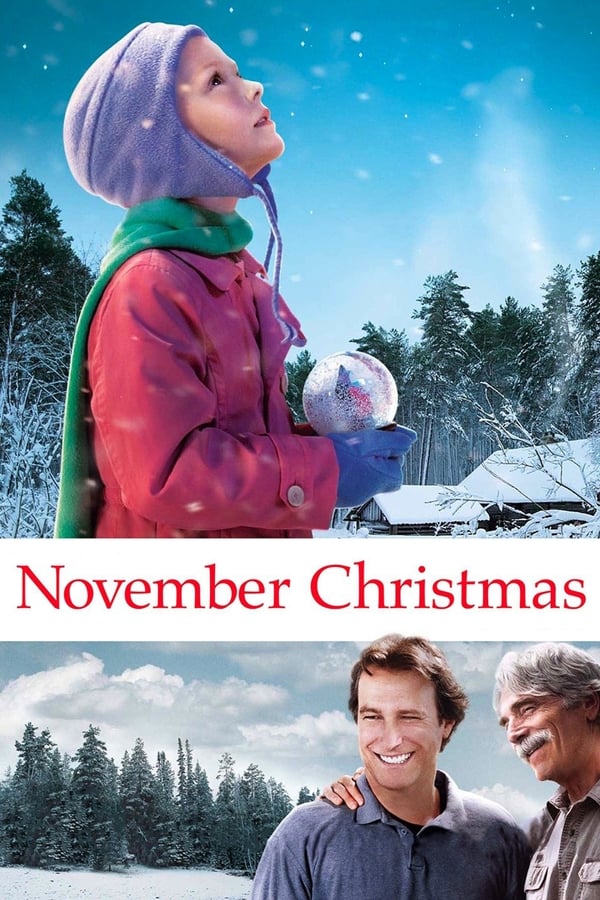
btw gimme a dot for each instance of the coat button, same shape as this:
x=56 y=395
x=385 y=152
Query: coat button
x=295 y=495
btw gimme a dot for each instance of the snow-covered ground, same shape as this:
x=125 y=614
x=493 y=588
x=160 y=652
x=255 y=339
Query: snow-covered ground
x=136 y=883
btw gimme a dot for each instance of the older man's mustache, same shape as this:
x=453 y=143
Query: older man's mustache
x=532 y=742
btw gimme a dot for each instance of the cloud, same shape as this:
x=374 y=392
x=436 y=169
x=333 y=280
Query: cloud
x=316 y=667
x=145 y=702
x=520 y=805
x=34 y=692
x=474 y=664
x=485 y=220
x=330 y=734
x=511 y=172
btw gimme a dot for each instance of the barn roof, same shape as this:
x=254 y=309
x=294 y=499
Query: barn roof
x=416 y=504
x=562 y=472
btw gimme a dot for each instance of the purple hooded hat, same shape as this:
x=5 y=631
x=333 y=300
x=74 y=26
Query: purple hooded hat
x=123 y=137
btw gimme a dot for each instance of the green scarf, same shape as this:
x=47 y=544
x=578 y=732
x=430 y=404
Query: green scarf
x=167 y=223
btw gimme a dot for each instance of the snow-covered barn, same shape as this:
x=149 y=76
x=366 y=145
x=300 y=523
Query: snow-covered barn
x=507 y=489
x=416 y=509
x=514 y=484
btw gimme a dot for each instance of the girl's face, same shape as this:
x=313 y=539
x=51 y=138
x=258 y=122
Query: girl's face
x=223 y=109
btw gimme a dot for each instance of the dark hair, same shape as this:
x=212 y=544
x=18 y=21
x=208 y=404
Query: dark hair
x=398 y=653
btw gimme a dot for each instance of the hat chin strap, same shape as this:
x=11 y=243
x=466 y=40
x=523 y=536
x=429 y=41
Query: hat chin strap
x=262 y=189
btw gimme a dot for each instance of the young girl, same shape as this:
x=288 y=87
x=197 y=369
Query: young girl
x=176 y=423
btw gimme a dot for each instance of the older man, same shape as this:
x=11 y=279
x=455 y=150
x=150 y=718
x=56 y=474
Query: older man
x=548 y=700
x=416 y=836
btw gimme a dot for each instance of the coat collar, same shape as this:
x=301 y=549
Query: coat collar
x=223 y=271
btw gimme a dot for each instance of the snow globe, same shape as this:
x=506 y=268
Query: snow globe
x=349 y=391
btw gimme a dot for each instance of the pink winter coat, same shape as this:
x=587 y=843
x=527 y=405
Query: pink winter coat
x=191 y=432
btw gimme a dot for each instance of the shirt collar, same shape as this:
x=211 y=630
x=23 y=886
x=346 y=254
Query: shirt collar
x=559 y=801
x=373 y=811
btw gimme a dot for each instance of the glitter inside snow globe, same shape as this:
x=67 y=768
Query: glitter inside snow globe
x=349 y=391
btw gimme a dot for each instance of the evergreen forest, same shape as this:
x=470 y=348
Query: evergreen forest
x=469 y=374
x=58 y=811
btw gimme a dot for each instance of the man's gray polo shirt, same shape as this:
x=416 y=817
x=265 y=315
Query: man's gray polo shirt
x=472 y=851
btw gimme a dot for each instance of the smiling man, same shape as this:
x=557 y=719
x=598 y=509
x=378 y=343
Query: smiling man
x=416 y=835
x=548 y=700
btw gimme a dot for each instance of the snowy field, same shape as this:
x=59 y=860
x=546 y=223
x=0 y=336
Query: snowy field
x=137 y=883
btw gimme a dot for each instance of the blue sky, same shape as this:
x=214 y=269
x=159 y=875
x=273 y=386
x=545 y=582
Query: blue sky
x=420 y=138
x=279 y=705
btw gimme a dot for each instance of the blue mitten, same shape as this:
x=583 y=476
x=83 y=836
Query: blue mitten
x=370 y=462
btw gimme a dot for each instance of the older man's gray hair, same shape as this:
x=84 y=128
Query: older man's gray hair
x=549 y=669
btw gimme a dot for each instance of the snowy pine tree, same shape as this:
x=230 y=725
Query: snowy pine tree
x=256 y=814
x=442 y=364
x=229 y=843
x=164 y=850
x=138 y=795
x=94 y=787
x=42 y=286
x=30 y=797
x=297 y=372
x=588 y=342
x=201 y=818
